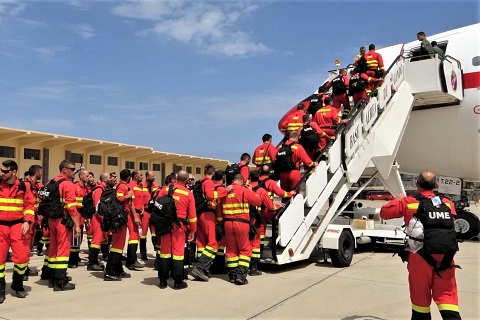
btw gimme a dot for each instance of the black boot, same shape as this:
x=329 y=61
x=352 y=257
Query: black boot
x=17 y=283
x=254 y=267
x=45 y=275
x=2 y=289
x=93 y=264
x=218 y=264
x=163 y=271
x=201 y=268
x=450 y=315
x=241 y=275
x=232 y=274
x=177 y=272
x=40 y=248
x=111 y=268
x=73 y=259
x=61 y=282
x=143 y=249
x=132 y=263
x=104 y=247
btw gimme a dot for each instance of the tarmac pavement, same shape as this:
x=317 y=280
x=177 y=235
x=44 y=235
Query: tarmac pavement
x=373 y=287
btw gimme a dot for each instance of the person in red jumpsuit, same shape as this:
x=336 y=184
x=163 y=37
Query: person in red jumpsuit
x=81 y=190
x=424 y=283
x=361 y=85
x=33 y=183
x=60 y=236
x=265 y=153
x=311 y=127
x=114 y=268
x=135 y=220
x=149 y=187
x=375 y=66
x=327 y=119
x=243 y=165
x=16 y=216
x=98 y=235
x=339 y=86
x=218 y=264
x=267 y=209
x=172 y=244
x=294 y=120
x=236 y=220
x=207 y=244
x=290 y=179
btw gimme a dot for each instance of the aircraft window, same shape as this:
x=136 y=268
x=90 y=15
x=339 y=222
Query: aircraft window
x=476 y=61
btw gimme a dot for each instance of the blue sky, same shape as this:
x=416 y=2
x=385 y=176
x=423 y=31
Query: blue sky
x=199 y=78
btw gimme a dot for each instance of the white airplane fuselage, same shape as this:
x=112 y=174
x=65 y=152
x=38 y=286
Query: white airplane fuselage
x=446 y=140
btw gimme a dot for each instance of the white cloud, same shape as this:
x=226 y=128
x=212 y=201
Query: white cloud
x=56 y=123
x=83 y=30
x=46 y=53
x=82 y=5
x=10 y=8
x=210 y=27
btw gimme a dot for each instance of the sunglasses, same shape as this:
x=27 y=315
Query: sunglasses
x=6 y=171
x=191 y=179
x=73 y=169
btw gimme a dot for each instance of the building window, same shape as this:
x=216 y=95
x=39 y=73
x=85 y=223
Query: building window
x=198 y=170
x=143 y=165
x=76 y=157
x=163 y=172
x=188 y=169
x=7 y=152
x=156 y=167
x=129 y=165
x=112 y=161
x=94 y=159
x=176 y=168
x=31 y=154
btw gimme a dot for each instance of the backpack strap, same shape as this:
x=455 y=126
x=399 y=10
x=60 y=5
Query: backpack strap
x=265 y=154
x=444 y=264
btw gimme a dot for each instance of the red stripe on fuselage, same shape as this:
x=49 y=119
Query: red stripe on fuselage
x=471 y=80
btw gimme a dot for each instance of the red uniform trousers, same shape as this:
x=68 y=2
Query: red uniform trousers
x=98 y=235
x=339 y=99
x=256 y=242
x=58 y=251
x=145 y=218
x=239 y=248
x=357 y=96
x=323 y=141
x=133 y=235
x=425 y=285
x=172 y=250
x=290 y=179
x=89 y=231
x=207 y=243
x=114 y=263
x=12 y=237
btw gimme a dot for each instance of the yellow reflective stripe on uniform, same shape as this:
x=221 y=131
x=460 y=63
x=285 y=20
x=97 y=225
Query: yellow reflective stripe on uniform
x=116 y=250
x=181 y=192
x=8 y=200
x=94 y=246
x=324 y=110
x=137 y=188
x=79 y=199
x=219 y=219
x=8 y=208
x=132 y=241
x=414 y=206
x=174 y=257
x=2 y=270
x=215 y=194
x=244 y=261
x=29 y=212
x=420 y=309
x=119 y=194
x=165 y=255
x=236 y=205
x=192 y=220
x=449 y=307
x=68 y=206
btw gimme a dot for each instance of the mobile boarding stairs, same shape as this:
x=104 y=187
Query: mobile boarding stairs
x=365 y=146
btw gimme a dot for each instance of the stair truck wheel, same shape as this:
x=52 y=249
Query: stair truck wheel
x=342 y=257
x=467 y=225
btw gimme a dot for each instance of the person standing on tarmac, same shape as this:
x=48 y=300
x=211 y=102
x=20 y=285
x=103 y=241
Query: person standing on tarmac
x=265 y=153
x=172 y=244
x=60 y=235
x=425 y=284
x=114 y=269
x=236 y=220
x=149 y=187
x=134 y=220
x=16 y=217
x=81 y=190
x=207 y=244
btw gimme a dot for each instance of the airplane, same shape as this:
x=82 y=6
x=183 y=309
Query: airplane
x=443 y=128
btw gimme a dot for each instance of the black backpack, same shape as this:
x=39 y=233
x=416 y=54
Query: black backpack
x=439 y=232
x=112 y=211
x=230 y=171
x=201 y=202
x=361 y=64
x=50 y=205
x=308 y=138
x=163 y=212
x=88 y=208
x=357 y=84
x=338 y=86
x=284 y=160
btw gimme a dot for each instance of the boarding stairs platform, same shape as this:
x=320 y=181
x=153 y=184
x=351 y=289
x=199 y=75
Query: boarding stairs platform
x=367 y=144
